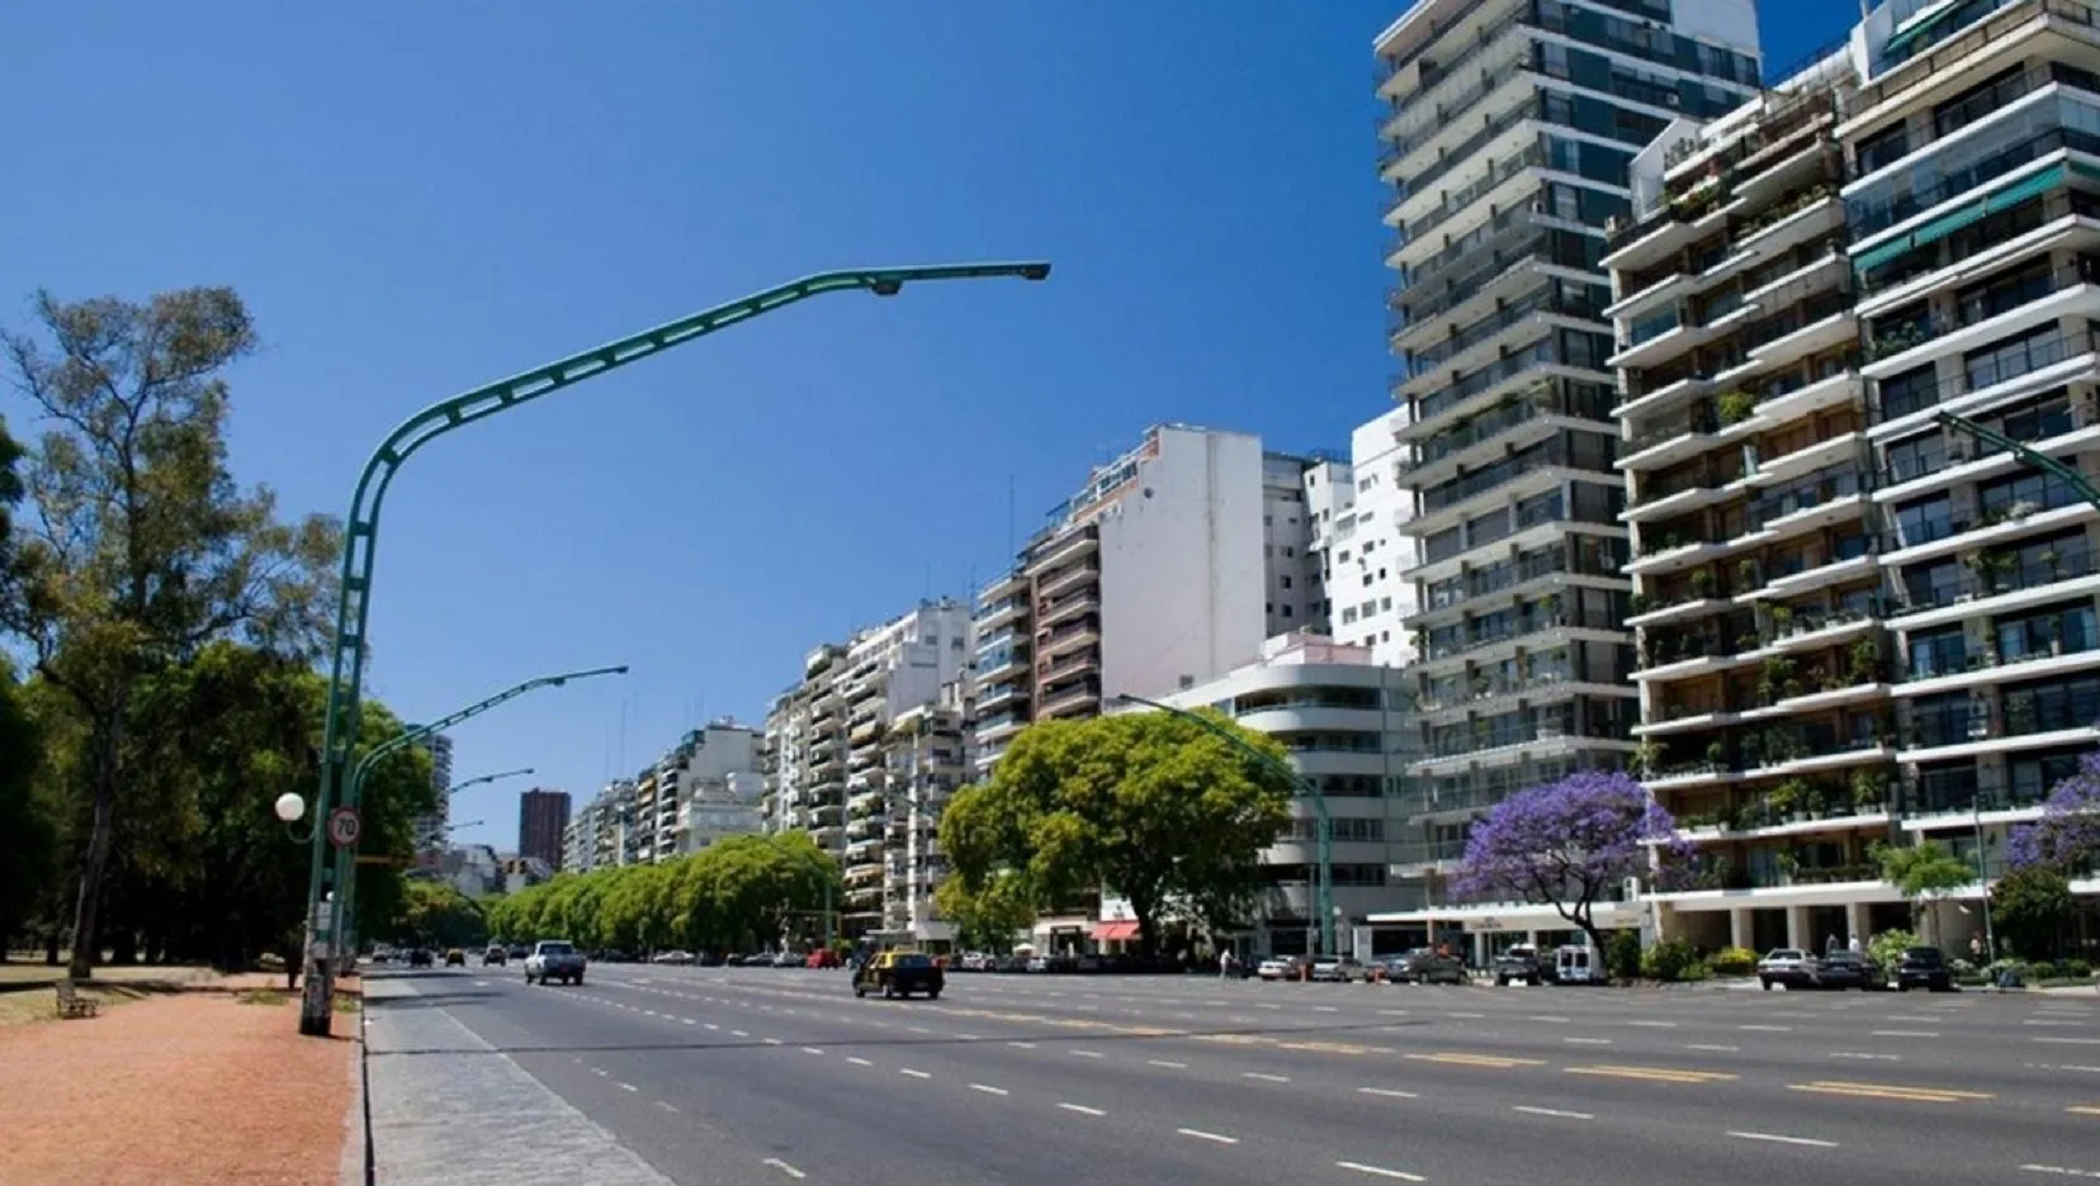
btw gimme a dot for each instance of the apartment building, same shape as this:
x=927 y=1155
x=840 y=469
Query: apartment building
x=1510 y=134
x=601 y=834
x=803 y=759
x=895 y=668
x=1367 y=555
x=1763 y=669
x=1974 y=209
x=1860 y=621
x=1349 y=730
x=1296 y=597
x=926 y=759
x=1156 y=575
x=543 y=817
x=432 y=831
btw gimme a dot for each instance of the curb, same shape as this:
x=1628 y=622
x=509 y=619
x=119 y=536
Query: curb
x=358 y=1165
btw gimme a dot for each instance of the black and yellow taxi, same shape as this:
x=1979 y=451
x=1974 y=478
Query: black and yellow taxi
x=899 y=973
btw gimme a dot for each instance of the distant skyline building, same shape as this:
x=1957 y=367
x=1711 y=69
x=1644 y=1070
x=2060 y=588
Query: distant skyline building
x=543 y=815
x=432 y=831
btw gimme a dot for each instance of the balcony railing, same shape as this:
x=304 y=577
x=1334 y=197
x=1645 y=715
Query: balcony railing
x=1991 y=576
x=2002 y=366
x=1391 y=67
x=1530 y=156
x=1870 y=214
x=1467 y=149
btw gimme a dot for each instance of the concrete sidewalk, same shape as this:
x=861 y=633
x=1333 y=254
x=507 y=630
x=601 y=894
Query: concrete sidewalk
x=447 y=1110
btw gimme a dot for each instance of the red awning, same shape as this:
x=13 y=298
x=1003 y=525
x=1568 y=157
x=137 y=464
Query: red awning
x=1115 y=932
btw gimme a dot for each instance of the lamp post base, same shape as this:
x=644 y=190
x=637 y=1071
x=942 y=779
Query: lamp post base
x=317 y=1005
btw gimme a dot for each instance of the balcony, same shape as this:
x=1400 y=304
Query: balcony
x=1438 y=107
x=2032 y=363
x=1067 y=638
x=1497 y=188
x=1079 y=662
x=1079 y=699
x=1062 y=581
x=1087 y=601
x=1992 y=579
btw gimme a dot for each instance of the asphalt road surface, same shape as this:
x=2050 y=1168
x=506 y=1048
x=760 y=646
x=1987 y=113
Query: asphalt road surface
x=718 y=1075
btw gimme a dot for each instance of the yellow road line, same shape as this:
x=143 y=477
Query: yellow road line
x=1479 y=1060
x=1891 y=1091
x=2085 y=1109
x=1654 y=1074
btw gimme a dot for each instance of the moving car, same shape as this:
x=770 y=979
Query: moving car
x=552 y=960
x=494 y=955
x=900 y=974
x=455 y=958
x=419 y=958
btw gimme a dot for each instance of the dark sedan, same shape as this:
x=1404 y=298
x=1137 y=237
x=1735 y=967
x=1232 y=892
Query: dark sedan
x=1924 y=967
x=1842 y=970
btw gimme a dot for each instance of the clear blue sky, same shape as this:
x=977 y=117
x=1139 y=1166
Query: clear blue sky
x=417 y=198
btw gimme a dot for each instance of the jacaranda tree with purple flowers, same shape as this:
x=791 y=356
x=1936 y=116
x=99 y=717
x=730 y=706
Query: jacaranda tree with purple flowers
x=1570 y=844
x=2068 y=834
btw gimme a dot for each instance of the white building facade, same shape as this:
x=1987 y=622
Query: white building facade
x=1157 y=575
x=1348 y=728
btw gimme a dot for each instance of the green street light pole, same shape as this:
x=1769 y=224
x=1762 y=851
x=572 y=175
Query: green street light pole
x=1323 y=876
x=317 y=1006
x=361 y=528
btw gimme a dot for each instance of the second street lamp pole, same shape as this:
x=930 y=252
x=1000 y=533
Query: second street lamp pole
x=339 y=728
x=1323 y=876
x=318 y=1005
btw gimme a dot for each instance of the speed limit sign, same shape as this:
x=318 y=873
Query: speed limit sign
x=344 y=827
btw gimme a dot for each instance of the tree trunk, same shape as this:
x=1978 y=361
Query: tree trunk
x=95 y=861
x=51 y=947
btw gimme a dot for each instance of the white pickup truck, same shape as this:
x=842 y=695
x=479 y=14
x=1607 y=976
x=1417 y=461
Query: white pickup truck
x=552 y=960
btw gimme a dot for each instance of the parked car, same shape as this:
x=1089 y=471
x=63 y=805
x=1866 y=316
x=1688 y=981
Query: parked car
x=1841 y=970
x=1519 y=965
x=1924 y=967
x=1338 y=969
x=1424 y=966
x=1784 y=965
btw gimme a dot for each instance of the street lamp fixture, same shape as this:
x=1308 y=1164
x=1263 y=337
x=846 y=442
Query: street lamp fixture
x=457 y=787
x=1323 y=906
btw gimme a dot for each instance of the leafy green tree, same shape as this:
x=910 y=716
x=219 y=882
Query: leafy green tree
x=28 y=833
x=987 y=919
x=735 y=895
x=438 y=914
x=144 y=549
x=1152 y=806
x=2030 y=907
x=1922 y=873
